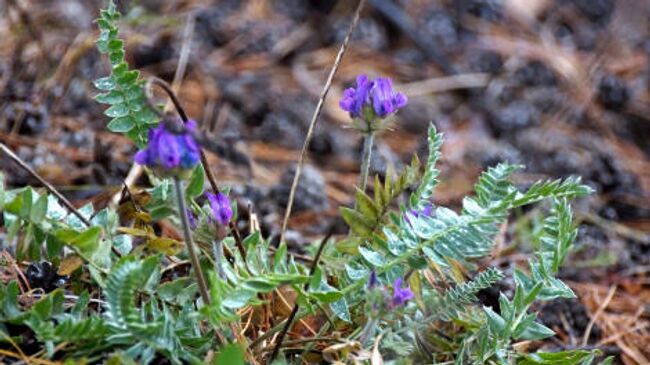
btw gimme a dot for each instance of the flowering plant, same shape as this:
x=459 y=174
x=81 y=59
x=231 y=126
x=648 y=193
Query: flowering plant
x=371 y=102
x=401 y=284
x=168 y=153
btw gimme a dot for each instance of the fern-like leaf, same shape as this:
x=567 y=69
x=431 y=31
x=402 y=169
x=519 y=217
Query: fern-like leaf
x=422 y=196
x=449 y=305
x=123 y=88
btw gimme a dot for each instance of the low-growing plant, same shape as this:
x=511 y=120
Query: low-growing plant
x=400 y=287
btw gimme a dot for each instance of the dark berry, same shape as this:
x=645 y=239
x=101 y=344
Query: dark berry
x=613 y=93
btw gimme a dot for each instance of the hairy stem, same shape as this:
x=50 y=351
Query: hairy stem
x=194 y=258
x=217 y=252
x=368 y=331
x=368 y=141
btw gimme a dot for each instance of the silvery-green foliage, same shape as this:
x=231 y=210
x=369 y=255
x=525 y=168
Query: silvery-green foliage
x=445 y=241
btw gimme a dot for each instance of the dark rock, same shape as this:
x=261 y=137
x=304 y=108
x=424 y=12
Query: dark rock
x=613 y=92
x=279 y=129
x=489 y=10
x=212 y=25
x=574 y=313
x=43 y=275
x=517 y=115
x=416 y=116
x=440 y=25
x=597 y=11
x=310 y=194
x=535 y=73
x=33 y=119
x=488 y=61
x=248 y=93
x=369 y=33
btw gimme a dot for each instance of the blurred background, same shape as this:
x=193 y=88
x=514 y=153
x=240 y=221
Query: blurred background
x=560 y=86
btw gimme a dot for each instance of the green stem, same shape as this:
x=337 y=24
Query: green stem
x=217 y=252
x=196 y=264
x=368 y=141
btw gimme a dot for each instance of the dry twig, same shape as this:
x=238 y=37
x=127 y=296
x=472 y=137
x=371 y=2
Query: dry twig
x=314 y=119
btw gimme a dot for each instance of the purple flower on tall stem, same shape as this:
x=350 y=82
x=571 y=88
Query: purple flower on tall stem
x=400 y=295
x=354 y=99
x=220 y=207
x=385 y=100
x=168 y=151
x=377 y=95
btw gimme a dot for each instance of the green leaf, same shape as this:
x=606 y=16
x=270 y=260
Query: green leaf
x=422 y=196
x=39 y=209
x=116 y=111
x=340 y=308
x=105 y=83
x=357 y=222
x=496 y=322
x=111 y=97
x=87 y=241
x=115 y=45
x=121 y=124
x=349 y=245
x=536 y=331
x=373 y=257
x=123 y=243
x=368 y=209
x=230 y=355
x=128 y=78
x=238 y=299
x=195 y=185
x=573 y=357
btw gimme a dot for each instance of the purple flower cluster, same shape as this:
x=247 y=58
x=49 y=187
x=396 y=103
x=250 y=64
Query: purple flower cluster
x=376 y=97
x=168 y=151
x=220 y=207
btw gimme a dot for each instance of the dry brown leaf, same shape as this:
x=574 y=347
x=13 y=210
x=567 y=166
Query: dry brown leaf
x=69 y=264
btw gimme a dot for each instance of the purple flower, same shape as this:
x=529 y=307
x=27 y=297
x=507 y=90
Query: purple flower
x=168 y=150
x=377 y=95
x=427 y=211
x=385 y=100
x=220 y=207
x=400 y=295
x=353 y=99
x=372 y=279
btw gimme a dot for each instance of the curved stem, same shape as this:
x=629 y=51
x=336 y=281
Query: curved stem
x=196 y=264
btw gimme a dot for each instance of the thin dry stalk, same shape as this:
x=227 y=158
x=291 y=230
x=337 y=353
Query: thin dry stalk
x=601 y=309
x=296 y=306
x=7 y=151
x=314 y=119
